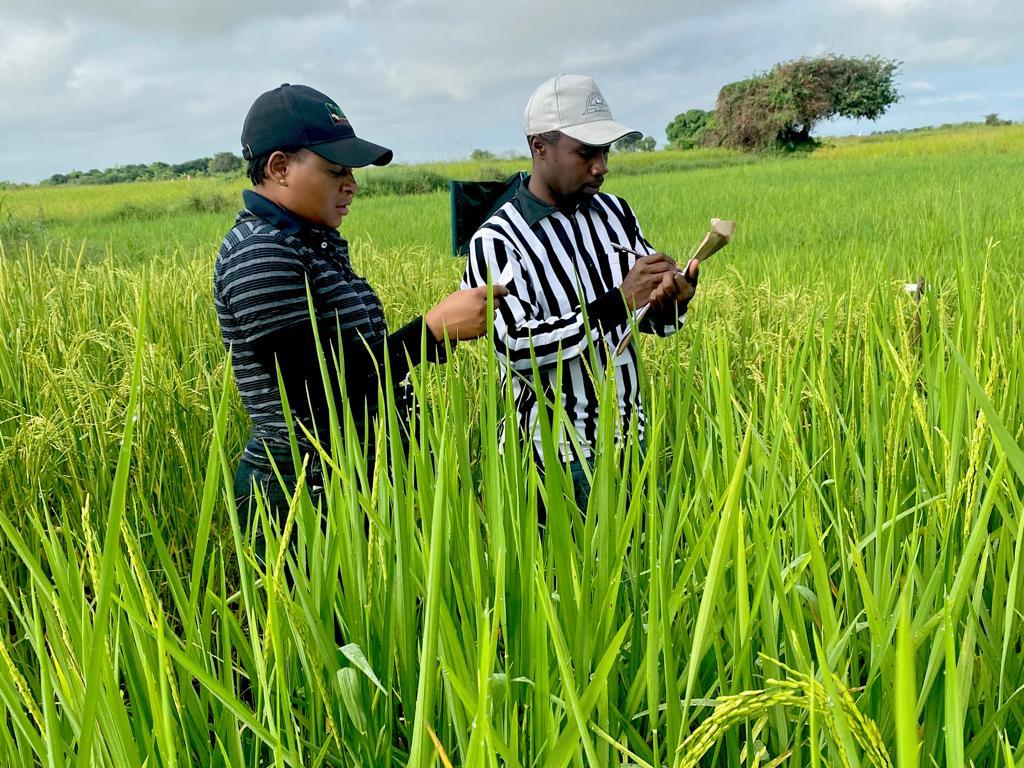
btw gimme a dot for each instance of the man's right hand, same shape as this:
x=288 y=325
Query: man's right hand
x=463 y=314
x=645 y=276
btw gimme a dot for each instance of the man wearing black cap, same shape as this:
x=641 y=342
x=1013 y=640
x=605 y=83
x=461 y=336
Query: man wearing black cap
x=301 y=150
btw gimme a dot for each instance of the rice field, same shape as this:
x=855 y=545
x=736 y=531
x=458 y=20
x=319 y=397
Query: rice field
x=816 y=562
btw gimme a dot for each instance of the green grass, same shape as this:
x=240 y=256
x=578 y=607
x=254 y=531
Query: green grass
x=978 y=140
x=817 y=562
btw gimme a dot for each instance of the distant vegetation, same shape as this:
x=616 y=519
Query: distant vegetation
x=633 y=144
x=990 y=121
x=690 y=130
x=779 y=108
x=970 y=138
x=222 y=162
x=994 y=119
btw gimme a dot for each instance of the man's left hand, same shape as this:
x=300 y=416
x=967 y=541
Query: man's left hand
x=677 y=286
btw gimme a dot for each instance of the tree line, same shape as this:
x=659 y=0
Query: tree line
x=222 y=162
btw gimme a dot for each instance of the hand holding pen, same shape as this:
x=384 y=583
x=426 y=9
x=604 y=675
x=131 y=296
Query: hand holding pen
x=684 y=282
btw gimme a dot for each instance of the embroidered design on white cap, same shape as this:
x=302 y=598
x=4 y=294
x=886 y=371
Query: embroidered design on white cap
x=595 y=103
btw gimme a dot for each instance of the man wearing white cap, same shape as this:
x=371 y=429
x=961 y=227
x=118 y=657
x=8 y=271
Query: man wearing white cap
x=575 y=263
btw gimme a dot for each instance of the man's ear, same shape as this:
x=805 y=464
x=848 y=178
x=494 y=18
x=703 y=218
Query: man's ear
x=537 y=146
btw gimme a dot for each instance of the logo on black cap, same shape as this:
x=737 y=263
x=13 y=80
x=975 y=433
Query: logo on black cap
x=337 y=116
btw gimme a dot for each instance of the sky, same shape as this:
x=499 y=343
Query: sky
x=97 y=83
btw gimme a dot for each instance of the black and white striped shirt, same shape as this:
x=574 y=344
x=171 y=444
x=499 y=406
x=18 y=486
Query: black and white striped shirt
x=563 y=276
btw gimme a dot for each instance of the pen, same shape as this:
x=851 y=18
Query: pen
x=626 y=249
x=641 y=312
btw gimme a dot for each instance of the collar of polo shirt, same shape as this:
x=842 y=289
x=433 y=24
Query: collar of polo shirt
x=534 y=209
x=281 y=218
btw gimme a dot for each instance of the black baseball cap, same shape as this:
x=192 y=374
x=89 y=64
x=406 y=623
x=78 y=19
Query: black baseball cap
x=295 y=116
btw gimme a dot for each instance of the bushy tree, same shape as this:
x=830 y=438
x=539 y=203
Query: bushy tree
x=160 y=170
x=689 y=129
x=224 y=162
x=993 y=119
x=781 y=106
x=481 y=154
x=626 y=144
x=199 y=165
x=633 y=144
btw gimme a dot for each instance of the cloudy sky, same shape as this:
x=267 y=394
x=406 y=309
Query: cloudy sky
x=90 y=84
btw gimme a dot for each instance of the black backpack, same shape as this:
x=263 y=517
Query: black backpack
x=473 y=202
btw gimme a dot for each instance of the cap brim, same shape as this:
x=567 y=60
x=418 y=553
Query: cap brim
x=600 y=133
x=353 y=152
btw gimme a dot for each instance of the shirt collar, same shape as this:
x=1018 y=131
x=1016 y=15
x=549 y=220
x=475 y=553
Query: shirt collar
x=281 y=218
x=534 y=209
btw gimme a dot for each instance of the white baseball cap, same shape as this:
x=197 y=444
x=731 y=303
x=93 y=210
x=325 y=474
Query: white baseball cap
x=573 y=104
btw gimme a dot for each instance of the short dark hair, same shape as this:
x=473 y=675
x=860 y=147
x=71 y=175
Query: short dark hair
x=257 y=170
x=548 y=137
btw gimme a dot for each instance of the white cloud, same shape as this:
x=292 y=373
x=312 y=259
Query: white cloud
x=428 y=80
x=956 y=98
x=32 y=56
x=154 y=79
x=954 y=50
x=190 y=19
x=889 y=7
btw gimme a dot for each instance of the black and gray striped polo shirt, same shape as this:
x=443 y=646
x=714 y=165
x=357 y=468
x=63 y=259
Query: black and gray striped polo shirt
x=554 y=265
x=259 y=286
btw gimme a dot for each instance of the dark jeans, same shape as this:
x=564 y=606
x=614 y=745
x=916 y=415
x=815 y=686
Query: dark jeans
x=580 y=483
x=249 y=476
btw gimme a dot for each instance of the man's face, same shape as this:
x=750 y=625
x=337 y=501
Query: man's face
x=573 y=171
x=318 y=190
